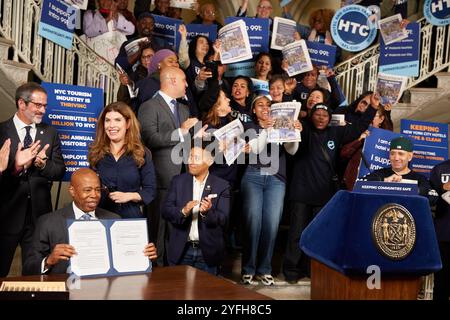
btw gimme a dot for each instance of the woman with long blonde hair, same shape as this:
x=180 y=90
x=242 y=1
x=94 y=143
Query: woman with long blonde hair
x=122 y=162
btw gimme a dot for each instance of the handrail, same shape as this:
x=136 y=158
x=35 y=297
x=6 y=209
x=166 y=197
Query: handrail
x=19 y=22
x=359 y=73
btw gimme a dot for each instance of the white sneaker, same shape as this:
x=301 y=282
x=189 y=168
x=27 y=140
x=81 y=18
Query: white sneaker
x=266 y=279
x=247 y=279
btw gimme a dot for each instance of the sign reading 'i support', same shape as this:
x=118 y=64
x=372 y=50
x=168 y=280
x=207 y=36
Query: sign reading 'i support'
x=352 y=28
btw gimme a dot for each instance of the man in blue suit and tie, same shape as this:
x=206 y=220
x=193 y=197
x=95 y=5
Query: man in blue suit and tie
x=197 y=206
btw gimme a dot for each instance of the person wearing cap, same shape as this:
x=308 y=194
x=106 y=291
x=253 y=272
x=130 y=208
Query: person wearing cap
x=314 y=179
x=440 y=181
x=144 y=29
x=400 y=155
x=262 y=192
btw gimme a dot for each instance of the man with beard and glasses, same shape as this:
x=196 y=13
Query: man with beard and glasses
x=25 y=189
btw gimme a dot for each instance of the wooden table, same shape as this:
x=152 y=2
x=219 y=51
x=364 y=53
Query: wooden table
x=164 y=283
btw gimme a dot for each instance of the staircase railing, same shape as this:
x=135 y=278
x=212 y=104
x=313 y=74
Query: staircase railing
x=359 y=73
x=19 y=22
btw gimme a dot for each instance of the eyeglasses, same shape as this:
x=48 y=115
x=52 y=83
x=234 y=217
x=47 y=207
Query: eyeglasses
x=147 y=57
x=37 y=104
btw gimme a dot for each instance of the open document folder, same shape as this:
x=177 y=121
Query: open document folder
x=108 y=247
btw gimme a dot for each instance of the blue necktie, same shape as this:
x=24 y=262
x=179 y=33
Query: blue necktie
x=27 y=141
x=86 y=216
x=175 y=112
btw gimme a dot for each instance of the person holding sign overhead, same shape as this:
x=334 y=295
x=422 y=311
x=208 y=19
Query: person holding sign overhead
x=51 y=250
x=26 y=185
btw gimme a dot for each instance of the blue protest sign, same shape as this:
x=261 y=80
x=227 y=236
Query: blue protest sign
x=58 y=22
x=197 y=29
x=166 y=29
x=381 y=187
x=240 y=69
x=402 y=58
x=430 y=143
x=437 y=12
x=258 y=33
x=351 y=28
x=73 y=111
x=376 y=150
x=321 y=54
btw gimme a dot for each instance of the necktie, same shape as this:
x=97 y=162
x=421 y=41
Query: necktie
x=86 y=216
x=175 y=112
x=27 y=141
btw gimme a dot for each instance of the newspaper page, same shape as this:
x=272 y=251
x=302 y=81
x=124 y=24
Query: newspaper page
x=235 y=43
x=391 y=30
x=229 y=138
x=337 y=120
x=133 y=47
x=82 y=4
x=283 y=33
x=297 y=56
x=390 y=88
x=283 y=130
x=183 y=4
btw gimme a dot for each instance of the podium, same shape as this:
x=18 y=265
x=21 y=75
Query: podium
x=371 y=246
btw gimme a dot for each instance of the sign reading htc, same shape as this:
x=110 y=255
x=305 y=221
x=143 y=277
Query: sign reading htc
x=351 y=28
x=437 y=12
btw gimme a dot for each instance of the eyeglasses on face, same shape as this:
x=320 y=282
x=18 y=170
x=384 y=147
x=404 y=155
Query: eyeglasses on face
x=37 y=104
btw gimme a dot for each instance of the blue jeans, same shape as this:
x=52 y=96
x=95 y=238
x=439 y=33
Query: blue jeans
x=262 y=204
x=193 y=257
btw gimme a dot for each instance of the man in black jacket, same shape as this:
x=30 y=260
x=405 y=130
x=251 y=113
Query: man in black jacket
x=25 y=189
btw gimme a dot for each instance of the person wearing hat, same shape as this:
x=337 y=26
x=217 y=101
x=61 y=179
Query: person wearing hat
x=400 y=155
x=263 y=188
x=314 y=179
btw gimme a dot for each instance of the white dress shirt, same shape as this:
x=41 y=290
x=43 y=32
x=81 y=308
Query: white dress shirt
x=20 y=128
x=198 y=187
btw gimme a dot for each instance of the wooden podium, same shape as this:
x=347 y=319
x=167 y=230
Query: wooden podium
x=329 y=284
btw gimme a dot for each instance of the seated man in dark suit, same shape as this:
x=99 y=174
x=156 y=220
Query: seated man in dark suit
x=400 y=155
x=198 y=206
x=51 y=252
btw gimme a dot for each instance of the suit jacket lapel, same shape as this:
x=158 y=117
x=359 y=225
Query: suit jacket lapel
x=206 y=187
x=40 y=135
